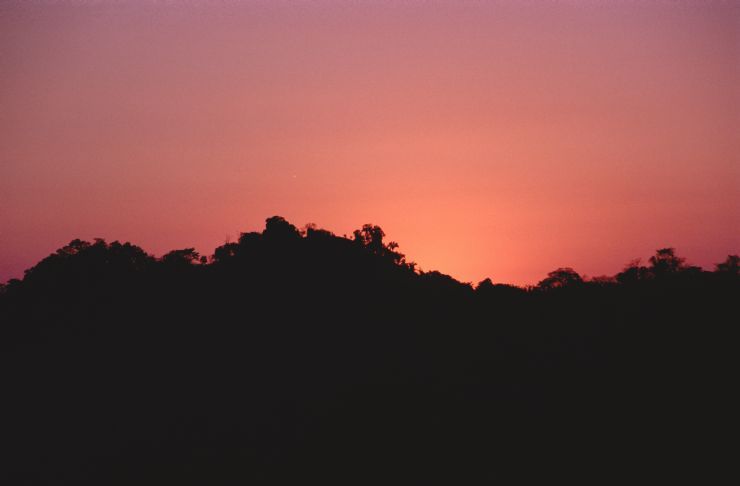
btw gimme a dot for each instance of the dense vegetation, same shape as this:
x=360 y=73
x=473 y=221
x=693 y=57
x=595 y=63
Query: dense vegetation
x=297 y=355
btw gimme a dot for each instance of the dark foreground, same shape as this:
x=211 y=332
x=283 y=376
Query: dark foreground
x=304 y=357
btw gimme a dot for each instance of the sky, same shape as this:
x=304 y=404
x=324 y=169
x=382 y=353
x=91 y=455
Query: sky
x=489 y=139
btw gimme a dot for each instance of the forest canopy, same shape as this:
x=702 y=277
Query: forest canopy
x=294 y=352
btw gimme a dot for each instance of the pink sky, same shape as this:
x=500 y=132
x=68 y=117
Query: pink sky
x=492 y=139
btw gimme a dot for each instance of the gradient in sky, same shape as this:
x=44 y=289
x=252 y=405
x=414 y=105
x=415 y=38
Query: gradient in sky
x=499 y=139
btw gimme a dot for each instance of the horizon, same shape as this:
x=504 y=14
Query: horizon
x=408 y=258
x=491 y=140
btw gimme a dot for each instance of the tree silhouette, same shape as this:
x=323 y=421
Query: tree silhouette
x=560 y=278
x=225 y=252
x=665 y=262
x=731 y=266
x=278 y=229
x=184 y=257
x=634 y=272
x=370 y=237
x=484 y=285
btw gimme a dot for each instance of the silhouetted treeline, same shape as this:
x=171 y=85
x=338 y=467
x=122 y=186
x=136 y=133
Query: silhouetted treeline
x=298 y=355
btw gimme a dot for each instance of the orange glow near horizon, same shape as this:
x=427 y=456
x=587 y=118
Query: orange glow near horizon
x=490 y=139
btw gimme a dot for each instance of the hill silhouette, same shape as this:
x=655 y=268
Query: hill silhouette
x=298 y=355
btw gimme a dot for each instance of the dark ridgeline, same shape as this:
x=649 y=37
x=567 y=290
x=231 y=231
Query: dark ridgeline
x=303 y=356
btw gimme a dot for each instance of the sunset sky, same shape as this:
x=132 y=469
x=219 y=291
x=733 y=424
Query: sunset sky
x=490 y=139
